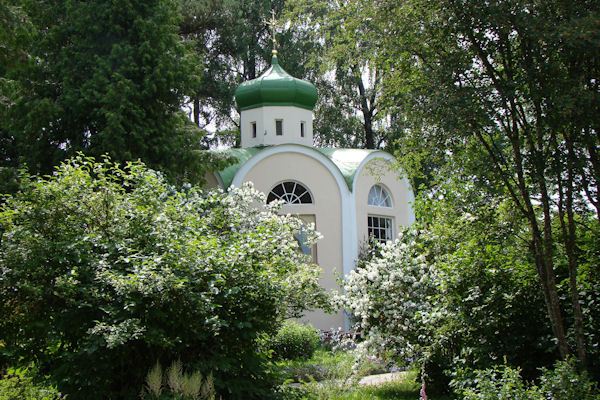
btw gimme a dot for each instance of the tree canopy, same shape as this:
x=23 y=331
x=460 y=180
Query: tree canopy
x=507 y=95
x=98 y=77
x=499 y=105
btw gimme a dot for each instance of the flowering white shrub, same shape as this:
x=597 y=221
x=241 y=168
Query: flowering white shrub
x=390 y=298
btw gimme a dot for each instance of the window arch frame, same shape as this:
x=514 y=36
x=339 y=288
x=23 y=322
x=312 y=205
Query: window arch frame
x=297 y=184
x=387 y=196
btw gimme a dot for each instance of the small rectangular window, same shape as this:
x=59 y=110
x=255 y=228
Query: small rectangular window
x=279 y=127
x=380 y=228
x=253 y=129
x=302 y=129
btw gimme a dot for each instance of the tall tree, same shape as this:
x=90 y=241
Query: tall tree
x=105 y=77
x=515 y=81
x=350 y=83
x=15 y=37
x=234 y=40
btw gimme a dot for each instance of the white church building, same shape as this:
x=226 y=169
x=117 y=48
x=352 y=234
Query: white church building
x=350 y=194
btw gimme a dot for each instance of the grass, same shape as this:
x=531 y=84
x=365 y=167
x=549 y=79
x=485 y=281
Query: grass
x=323 y=365
x=327 y=365
x=403 y=389
x=328 y=376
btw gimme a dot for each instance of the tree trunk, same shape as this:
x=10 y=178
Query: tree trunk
x=570 y=235
x=367 y=111
x=536 y=144
x=196 y=111
x=369 y=136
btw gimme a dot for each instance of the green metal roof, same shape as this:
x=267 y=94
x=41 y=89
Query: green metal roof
x=276 y=88
x=346 y=160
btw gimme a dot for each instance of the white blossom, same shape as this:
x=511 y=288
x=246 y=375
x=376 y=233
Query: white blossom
x=389 y=298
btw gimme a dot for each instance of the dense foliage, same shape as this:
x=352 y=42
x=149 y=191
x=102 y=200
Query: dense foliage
x=461 y=293
x=488 y=285
x=458 y=296
x=20 y=385
x=499 y=108
x=105 y=270
x=98 y=77
x=563 y=382
x=502 y=95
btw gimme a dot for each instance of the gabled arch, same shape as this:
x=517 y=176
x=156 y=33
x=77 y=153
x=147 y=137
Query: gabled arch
x=401 y=177
x=348 y=217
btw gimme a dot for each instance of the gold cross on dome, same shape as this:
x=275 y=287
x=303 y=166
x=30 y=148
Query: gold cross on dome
x=272 y=23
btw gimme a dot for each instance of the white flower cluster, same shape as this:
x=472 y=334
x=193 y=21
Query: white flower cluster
x=390 y=298
x=118 y=334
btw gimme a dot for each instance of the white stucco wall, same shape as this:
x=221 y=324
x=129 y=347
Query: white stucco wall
x=265 y=126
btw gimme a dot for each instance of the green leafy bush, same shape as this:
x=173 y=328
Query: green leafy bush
x=455 y=296
x=18 y=385
x=105 y=270
x=564 y=382
x=294 y=341
x=500 y=383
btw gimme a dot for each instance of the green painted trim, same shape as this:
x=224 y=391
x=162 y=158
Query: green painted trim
x=276 y=104
x=241 y=155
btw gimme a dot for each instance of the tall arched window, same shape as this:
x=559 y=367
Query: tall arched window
x=380 y=227
x=290 y=192
x=379 y=197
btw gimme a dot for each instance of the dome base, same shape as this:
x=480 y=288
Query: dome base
x=272 y=125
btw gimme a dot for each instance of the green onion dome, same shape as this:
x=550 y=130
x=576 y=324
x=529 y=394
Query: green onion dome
x=276 y=88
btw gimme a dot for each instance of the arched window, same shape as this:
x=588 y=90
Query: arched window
x=379 y=197
x=291 y=193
